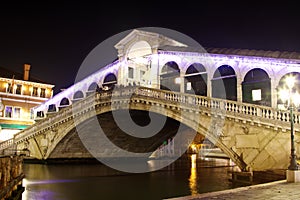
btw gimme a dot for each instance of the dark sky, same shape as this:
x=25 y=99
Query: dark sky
x=55 y=37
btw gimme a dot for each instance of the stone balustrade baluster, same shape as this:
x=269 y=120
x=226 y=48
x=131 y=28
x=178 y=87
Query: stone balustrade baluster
x=229 y=107
x=287 y=117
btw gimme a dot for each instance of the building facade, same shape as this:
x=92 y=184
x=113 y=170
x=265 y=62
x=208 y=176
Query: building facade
x=19 y=93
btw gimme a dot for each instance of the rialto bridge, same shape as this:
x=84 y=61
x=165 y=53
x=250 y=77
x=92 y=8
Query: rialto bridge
x=230 y=97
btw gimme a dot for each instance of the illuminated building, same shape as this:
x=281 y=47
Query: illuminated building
x=19 y=93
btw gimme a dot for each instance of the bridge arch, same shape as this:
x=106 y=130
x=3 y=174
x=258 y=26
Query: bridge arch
x=185 y=117
x=224 y=83
x=170 y=77
x=195 y=79
x=256 y=87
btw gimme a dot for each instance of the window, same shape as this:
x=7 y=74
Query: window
x=35 y=91
x=142 y=73
x=43 y=93
x=40 y=114
x=52 y=108
x=10 y=88
x=19 y=89
x=130 y=72
x=8 y=111
x=17 y=112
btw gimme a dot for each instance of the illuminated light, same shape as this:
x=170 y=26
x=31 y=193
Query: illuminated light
x=284 y=94
x=178 y=80
x=5 y=85
x=188 y=86
x=296 y=99
x=256 y=95
x=193 y=176
x=290 y=81
x=193 y=148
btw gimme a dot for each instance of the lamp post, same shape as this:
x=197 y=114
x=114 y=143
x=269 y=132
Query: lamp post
x=293 y=100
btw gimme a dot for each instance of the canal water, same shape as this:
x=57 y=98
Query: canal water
x=186 y=176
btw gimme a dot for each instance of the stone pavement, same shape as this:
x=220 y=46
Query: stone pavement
x=279 y=190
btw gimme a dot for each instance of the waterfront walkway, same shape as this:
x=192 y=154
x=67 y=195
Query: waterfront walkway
x=274 y=190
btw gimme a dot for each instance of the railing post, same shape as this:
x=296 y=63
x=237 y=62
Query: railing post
x=258 y=112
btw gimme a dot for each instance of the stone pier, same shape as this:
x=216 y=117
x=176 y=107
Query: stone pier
x=11 y=176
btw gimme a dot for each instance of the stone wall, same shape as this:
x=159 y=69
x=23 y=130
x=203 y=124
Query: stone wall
x=11 y=176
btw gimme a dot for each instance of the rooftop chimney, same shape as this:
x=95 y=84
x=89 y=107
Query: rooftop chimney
x=26 y=72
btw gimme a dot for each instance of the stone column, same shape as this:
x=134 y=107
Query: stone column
x=273 y=94
x=209 y=85
x=122 y=75
x=239 y=89
x=182 y=85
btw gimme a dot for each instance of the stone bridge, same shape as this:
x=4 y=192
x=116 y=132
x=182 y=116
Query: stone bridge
x=253 y=136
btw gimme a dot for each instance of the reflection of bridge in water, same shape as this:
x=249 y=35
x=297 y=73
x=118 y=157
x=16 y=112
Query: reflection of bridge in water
x=227 y=96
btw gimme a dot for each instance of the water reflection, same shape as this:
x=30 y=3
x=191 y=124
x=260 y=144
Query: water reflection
x=193 y=176
x=187 y=176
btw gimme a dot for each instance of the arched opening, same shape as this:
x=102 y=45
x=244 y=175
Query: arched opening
x=40 y=114
x=282 y=85
x=257 y=87
x=224 y=83
x=170 y=77
x=92 y=88
x=78 y=95
x=51 y=108
x=109 y=81
x=195 y=80
x=139 y=49
x=64 y=103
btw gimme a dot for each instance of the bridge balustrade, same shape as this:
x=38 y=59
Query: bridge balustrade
x=242 y=111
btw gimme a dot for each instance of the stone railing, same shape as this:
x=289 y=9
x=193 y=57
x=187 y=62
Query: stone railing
x=233 y=109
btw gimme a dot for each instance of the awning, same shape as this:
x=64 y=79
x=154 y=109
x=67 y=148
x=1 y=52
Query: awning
x=13 y=126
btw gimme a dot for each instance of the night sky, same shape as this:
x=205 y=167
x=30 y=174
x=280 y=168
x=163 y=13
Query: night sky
x=55 y=37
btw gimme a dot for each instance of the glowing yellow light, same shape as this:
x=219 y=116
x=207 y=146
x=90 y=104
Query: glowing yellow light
x=296 y=99
x=290 y=81
x=284 y=95
x=193 y=176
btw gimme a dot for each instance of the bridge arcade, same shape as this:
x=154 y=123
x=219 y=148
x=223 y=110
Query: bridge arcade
x=153 y=60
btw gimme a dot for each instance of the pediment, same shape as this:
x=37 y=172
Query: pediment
x=155 y=40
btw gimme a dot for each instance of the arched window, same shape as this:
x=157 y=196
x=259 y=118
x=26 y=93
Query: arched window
x=195 y=80
x=51 y=108
x=170 y=77
x=257 y=87
x=64 y=102
x=224 y=83
x=93 y=87
x=78 y=95
x=109 y=81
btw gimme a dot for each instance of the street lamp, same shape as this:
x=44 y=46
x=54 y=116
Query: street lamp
x=292 y=98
